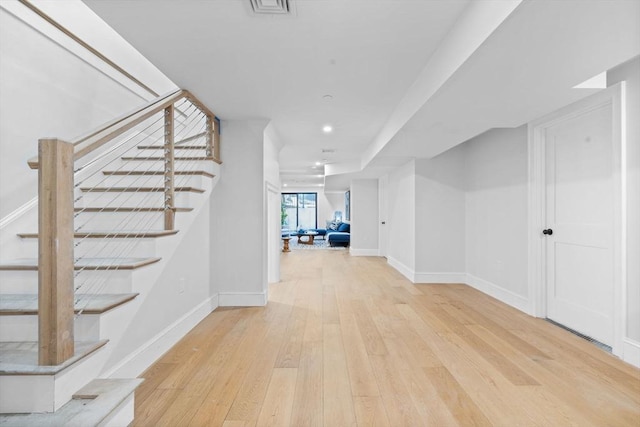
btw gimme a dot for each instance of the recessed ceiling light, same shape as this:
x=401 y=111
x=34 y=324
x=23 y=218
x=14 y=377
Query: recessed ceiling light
x=318 y=163
x=284 y=185
x=327 y=128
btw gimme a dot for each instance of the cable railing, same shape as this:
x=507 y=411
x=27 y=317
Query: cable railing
x=103 y=194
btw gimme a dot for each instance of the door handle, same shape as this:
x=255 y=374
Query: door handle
x=548 y=232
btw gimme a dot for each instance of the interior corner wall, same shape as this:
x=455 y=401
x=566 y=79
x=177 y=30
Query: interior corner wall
x=272 y=203
x=440 y=218
x=630 y=72
x=238 y=216
x=364 y=217
x=334 y=202
x=496 y=214
x=401 y=219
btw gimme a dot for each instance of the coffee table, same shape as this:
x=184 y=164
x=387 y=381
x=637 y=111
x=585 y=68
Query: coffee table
x=310 y=235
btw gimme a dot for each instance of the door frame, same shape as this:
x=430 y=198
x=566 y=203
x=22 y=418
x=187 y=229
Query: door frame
x=614 y=96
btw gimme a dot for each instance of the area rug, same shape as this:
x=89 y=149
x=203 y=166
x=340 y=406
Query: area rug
x=317 y=244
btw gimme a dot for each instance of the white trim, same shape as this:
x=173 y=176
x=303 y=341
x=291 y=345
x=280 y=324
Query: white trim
x=402 y=269
x=8 y=219
x=498 y=292
x=140 y=359
x=631 y=352
x=447 y=278
x=614 y=95
x=242 y=299
x=422 y=277
x=363 y=252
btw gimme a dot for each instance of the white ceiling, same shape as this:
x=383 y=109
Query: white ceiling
x=408 y=78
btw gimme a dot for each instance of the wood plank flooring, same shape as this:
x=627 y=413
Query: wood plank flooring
x=348 y=341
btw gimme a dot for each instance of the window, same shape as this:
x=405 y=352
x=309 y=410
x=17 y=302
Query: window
x=299 y=210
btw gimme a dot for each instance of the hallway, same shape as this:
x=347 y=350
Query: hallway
x=348 y=340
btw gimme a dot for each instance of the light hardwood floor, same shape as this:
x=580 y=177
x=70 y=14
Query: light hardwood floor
x=348 y=341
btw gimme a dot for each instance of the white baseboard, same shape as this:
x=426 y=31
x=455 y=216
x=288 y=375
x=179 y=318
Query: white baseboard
x=403 y=269
x=439 y=278
x=415 y=277
x=499 y=293
x=631 y=352
x=362 y=252
x=149 y=352
x=242 y=299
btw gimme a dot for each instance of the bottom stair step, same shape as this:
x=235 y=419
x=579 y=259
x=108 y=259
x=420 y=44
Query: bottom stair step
x=27 y=304
x=101 y=402
x=21 y=358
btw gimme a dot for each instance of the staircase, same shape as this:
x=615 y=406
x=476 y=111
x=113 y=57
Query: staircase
x=136 y=192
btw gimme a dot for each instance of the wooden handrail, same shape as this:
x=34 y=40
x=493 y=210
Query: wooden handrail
x=93 y=140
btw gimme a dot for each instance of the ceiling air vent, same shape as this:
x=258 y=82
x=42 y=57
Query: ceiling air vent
x=271 y=7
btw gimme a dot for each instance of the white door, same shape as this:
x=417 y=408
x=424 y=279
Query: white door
x=579 y=229
x=382 y=215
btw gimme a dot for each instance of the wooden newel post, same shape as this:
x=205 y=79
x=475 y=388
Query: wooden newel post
x=55 y=251
x=169 y=175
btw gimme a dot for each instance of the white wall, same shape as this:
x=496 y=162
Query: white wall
x=364 y=217
x=440 y=218
x=630 y=72
x=272 y=146
x=238 y=259
x=496 y=213
x=168 y=308
x=335 y=202
x=401 y=222
x=48 y=89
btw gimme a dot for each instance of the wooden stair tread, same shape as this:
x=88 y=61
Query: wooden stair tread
x=138 y=189
x=27 y=304
x=176 y=147
x=89 y=407
x=157 y=158
x=157 y=172
x=128 y=209
x=120 y=234
x=31 y=264
x=21 y=358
